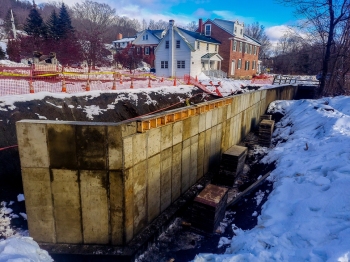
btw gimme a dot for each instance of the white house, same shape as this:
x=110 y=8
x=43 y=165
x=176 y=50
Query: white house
x=183 y=52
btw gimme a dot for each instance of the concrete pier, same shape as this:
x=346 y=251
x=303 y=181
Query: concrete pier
x=103 y=183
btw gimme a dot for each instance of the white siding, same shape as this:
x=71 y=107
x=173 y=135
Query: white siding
x=151 y=39
x=162 y=54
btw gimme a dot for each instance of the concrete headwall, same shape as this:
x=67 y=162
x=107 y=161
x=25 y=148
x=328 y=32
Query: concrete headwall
x=102 y=183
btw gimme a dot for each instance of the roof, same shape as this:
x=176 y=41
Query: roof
x=199 y=36
x=156 y=33
x=216 y=56
x=123 y=40
x=228 y=26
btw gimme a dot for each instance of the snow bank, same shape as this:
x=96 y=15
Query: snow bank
x=307 y=215
x=22 y=249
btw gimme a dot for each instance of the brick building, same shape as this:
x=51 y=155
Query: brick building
x=239 y=51
x=146 y=42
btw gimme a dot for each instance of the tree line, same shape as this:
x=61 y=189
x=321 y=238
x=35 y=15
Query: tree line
x=74 y=34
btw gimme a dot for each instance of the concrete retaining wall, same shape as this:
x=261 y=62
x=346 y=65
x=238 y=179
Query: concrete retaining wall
x=102 y=183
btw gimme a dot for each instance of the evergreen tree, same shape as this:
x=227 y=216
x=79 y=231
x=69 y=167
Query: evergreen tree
x=64 y=23
x=35 y=25
x=2 y=54
x=53 y=30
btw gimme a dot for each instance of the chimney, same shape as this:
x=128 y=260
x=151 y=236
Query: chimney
x=200 y=25
x=119 y=36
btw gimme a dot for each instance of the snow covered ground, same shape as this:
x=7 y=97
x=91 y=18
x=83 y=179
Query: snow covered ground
x=307 y=215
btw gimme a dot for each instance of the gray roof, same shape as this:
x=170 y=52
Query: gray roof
x=210 y=55
x=199 y=36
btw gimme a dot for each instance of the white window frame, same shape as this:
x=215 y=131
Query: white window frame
x=255 y=50
x=207 y=30
x=180 y=64
x=164 y=64
x=147 y=50
x=239 y=63
x=240 y=46
x=246 y=65
x=234 y=47
x=246 y=48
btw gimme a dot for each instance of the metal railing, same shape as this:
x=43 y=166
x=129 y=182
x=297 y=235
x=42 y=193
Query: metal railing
x=215 y=73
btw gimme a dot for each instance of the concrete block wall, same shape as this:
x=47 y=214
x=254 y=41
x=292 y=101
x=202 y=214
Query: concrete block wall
x=102 y=183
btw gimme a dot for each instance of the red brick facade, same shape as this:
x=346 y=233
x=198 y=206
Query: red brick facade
x=148 y=58
x=247 y=59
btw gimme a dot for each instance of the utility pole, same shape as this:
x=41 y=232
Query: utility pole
x=13 y=26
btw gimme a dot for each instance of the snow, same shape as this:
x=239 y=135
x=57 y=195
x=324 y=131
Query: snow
x=307 y=214
x=22 y=249
x=20 y=197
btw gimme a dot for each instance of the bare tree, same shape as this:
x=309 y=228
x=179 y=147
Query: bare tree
x=91 y=20
x=192 y=26
x=257 y=32
x=161 y=24
x=326 y=18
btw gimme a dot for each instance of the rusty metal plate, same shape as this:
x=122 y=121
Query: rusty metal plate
x=211 y=195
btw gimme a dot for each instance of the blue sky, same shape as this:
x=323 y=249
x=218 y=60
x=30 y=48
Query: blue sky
x=273 y=16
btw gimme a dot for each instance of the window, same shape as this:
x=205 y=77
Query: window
x=147 y=50
x=138 y=50
x=234 y=48
x=246 y=48
x=207 y=30
x=177 y=43
x=163 y=64
x=145 y=37
x=198 y=45
x=254 y=50
x=235 y=29
x=246 y=65
x=181 y=64
x=254 y=65
x=250 y=49
x=239 y=64
x=207 y=47
x=167 y=44
x=241 y=31
x=216 y=48
x=240 y=46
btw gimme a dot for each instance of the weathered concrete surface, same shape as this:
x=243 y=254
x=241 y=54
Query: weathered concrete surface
x=126 y=179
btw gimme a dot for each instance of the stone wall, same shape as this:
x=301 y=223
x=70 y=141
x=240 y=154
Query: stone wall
x=102 y=183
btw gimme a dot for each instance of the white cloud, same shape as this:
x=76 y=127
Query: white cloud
x=276 y=32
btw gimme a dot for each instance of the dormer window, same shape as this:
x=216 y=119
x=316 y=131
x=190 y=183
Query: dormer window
x=207 y=30
x=145 y=37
